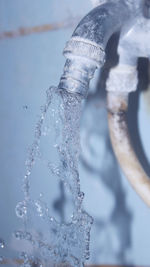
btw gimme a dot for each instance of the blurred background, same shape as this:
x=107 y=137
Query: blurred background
x=32 y=37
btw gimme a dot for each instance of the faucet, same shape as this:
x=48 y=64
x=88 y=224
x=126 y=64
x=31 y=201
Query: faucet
x=85 y=52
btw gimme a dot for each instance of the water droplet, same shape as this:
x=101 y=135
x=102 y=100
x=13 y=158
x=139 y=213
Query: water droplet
x=23 y=235
x=21 y=210
x=37 y=262
x=81 y=195
x=27 y=236
x=28 y=172
x=2 y=243
x=26 y=259
x=18 y=235
x=23 y=255
x=41 y=208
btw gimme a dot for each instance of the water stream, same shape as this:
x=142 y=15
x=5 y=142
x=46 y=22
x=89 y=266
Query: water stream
x=66 y=243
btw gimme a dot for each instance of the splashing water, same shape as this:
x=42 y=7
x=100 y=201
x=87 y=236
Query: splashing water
x=2 y=243
x=68 y=242
x=2 y=246
x=1 y=259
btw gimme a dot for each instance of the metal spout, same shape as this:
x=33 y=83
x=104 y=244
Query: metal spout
x=85 y=51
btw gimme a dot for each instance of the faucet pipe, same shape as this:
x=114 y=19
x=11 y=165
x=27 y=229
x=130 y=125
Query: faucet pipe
x=117 y=110
x=123 y=80
x=85 y=51
x=117 y=105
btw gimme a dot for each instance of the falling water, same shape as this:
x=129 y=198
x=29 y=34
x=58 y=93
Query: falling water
x=2 y=246
x=68 y=242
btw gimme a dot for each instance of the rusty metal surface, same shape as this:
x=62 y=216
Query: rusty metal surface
x=123 y=147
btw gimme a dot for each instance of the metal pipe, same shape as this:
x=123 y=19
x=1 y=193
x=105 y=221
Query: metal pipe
x=134 y=43
x=117 y=109
x=85 y=51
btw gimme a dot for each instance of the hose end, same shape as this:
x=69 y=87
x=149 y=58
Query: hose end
x=83 y=57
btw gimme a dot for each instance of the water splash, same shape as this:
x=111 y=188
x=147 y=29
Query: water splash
x=2 y=246
x=75 y=233
x=21 y=209
x=1 y=259
x=2 y=243
x=26 y=260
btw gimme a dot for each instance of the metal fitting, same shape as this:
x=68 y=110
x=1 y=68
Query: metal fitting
x=86 y=49
x=83 y=57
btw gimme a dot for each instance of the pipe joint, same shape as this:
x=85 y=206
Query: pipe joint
x=83 y=48
x=122 y=79
x=83 y=57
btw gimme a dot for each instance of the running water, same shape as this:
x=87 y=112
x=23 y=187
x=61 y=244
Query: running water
x=67 y=243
